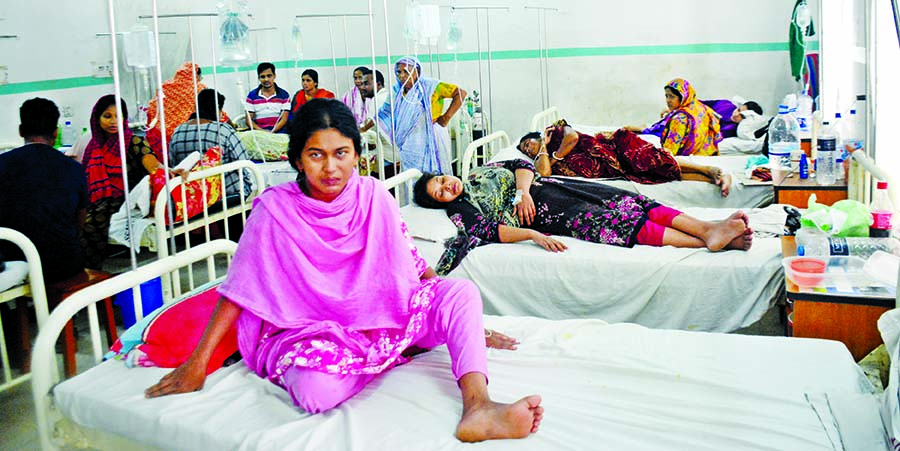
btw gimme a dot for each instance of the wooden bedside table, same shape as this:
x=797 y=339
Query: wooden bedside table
x=849 y=318
x=795 y=191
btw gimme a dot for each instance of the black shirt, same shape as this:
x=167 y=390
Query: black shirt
x=41 y=194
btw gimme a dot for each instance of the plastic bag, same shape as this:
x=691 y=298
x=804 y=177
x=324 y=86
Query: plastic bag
x=846 y=218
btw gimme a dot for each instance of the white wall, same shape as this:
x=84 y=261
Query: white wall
x=613 y=90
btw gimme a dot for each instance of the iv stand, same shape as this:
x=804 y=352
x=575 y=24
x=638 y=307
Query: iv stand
x=544 y=53
x=487 y=10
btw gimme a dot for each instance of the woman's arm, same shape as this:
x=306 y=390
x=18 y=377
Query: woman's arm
x=525 y=208
x=570 y=139
x=151 y=164
x=191 y=375
x=455 y=103
x=516 y=234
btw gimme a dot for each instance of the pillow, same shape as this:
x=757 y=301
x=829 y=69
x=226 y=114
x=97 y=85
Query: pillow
x=428 y=224
x=509 y=153
x=169 y=337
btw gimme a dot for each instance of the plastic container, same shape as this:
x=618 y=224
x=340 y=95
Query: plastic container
x=882 y=212
x=804 y=112
x=816 y=246
x=69 y=134
x=825 y=156
x=803 y=167
x=883 y=267
x=827 y=271
x=784 y=139
x=151 y=299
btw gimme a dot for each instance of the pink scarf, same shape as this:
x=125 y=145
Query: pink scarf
x=354 y=100
x=303 y=261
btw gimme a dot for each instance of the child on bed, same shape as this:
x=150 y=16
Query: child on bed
x=314 y=313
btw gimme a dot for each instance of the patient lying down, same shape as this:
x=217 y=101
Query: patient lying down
x=505 y=203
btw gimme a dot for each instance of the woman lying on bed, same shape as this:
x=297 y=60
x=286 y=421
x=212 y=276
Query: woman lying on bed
x=505 y=203
x=564 y=151
x=313 y=310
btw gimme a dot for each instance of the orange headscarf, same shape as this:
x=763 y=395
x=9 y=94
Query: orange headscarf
x=179 y=93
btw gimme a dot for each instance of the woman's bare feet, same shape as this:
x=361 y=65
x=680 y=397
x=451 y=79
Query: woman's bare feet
x=720 y=179
x=740 y=215
x=492 y=420
x=721 y=234
x=742 y=242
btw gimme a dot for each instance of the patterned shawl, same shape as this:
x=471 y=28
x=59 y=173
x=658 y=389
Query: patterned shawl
x=179 y=93
x=102 y=160
x=691 y=129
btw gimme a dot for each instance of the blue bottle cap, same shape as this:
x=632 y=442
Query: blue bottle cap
x=801 y=251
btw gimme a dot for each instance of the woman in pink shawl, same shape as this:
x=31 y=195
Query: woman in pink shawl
x=307 y=293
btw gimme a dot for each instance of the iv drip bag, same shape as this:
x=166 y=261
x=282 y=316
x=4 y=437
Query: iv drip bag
x=234 y=34
x=140 y=51
x=297 y=36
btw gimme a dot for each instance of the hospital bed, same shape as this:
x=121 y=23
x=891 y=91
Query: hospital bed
x=745 y=193
x=617 y=387
x=156 y=235
x=660 y=287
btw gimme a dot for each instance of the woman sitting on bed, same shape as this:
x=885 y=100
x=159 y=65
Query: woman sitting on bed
x=564 y=151
x=308 y=294
x=506 y=203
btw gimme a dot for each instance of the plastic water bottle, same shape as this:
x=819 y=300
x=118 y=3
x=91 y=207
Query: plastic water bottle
x=822 y=246
x=827 y=147
x=882 y=211
x=784 y=138
x=804 y=167
x=854 y=131
x=68 y=134
x=804 y=112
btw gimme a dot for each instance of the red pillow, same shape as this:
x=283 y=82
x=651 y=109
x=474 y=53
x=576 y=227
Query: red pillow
x=171 y=337
x=194 y=197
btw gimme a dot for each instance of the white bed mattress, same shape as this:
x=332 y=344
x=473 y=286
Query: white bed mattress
x=689 y=193
x=616 y=387
x=659 y=287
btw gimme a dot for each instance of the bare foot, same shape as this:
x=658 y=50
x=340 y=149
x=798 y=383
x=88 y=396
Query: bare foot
x=742 y=242
x=740 y=215
x=724 y=183
x=493 y=420
x=721 y=233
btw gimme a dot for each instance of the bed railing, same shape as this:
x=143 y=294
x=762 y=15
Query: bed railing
x=33 y=287
x=45 y=369
x=230 y=207
x=544 y=119
x=483 y=148
x=402 y=184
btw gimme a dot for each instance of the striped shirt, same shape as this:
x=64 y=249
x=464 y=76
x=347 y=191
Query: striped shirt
x=267 y=110
x=185 y=141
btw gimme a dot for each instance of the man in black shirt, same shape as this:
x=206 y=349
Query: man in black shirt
x=43 y=194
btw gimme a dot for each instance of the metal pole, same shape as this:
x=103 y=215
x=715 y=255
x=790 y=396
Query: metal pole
x=390 y=73
x=337 y=84
x=379 y=149
x=478 y=42
x=487 y=19
x=546 y=57
x=871 y=91
x=896 y=9
x=541 y=60
x=346 y=45
x=194 y=79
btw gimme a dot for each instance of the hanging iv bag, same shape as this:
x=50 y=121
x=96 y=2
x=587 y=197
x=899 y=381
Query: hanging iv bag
x=297 y=37
x=454 y=32
x=429 y=24
x=411 y=29
x=234 y=34
x=140 y=48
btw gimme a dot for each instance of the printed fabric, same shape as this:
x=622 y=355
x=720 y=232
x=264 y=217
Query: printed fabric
x=692 y=128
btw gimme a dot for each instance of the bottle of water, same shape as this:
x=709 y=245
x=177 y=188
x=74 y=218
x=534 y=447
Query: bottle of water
x=882 y=211
x=854 y=131
x=68 y=134
x=804 y=112
x=827 y=146
x=821 y=246
x=784 y=139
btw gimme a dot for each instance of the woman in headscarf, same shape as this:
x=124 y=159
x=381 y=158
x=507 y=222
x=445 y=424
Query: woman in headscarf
x=309 y=81
x=353 y=98
x=692 y=128
x=419 y=121
x=103 y=168
x=339 y=321
x=179 y=93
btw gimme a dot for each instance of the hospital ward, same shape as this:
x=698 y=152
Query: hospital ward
x=449 y=225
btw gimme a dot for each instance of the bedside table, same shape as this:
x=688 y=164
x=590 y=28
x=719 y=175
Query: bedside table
x=795 y=191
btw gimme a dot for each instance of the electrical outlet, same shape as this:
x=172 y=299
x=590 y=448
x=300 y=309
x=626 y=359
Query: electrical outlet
x=67 y=111
x=102 y=69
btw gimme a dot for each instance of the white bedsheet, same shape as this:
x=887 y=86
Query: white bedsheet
x=660 y=287
x=683 y=194
x=616 y=387
x=15 y=274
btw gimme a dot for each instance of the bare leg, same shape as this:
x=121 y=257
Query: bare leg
x=483 y=419
x=702 y=173
x=716 y=235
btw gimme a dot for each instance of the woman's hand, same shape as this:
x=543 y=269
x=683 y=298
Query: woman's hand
x=179 y=172
x=496 y=340
x=525 y=209
x=549 y=243
x=442 y=120
x=189 y=377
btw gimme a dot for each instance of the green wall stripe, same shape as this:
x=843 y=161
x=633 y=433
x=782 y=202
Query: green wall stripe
x=572 y=52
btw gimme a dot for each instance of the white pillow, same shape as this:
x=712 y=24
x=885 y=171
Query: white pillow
x=509 y=153
x=428 y=224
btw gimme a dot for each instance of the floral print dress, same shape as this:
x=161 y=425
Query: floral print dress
x=566 y=207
